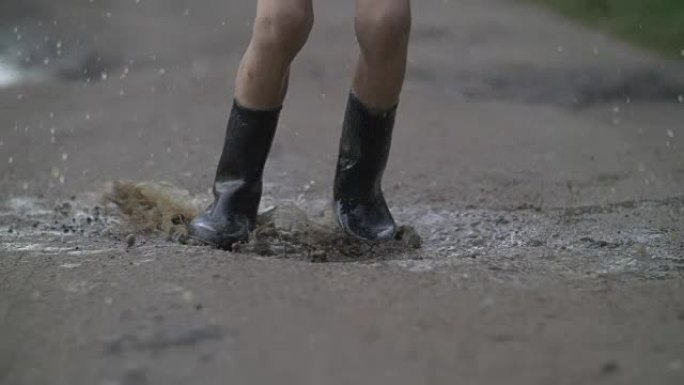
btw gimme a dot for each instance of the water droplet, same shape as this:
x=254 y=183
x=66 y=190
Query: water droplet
x=25 y=185
x=122 y=93
x=595 y=50
x=54 y=172
x=65 y=156
x=104 y=76
x=58 y=44
x=670 y=133
x=616 y=109
x=560 y=49
x=162 y=71
x=87 y=116
x=10 y=160
x=186 y=12
x=680 y=98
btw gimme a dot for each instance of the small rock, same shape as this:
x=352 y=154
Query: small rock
x=130 y=241
x=610 y=367
x=535 y=243
x=319 y=257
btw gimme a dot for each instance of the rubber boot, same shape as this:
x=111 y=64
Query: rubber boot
x=359 y=203
x=238 y=183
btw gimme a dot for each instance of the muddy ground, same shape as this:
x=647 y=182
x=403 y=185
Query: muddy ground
x=541 y=163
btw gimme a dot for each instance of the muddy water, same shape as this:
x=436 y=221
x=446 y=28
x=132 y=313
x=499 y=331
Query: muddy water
x=644 y=238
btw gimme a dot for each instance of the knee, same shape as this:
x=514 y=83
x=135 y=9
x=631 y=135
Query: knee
x=283 y=28
x=384 y=25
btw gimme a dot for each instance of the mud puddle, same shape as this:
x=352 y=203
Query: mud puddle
x=643 y=239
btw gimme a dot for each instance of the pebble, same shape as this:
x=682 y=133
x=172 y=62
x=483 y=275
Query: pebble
x=130 y=241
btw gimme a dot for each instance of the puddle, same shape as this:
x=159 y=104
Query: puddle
x=645 y=239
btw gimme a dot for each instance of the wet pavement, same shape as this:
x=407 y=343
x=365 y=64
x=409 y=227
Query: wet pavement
x=542 y=165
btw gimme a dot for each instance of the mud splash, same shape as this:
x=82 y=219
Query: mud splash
x=284 y=229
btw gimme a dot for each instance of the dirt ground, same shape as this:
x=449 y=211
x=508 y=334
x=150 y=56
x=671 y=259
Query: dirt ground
x=541 y=163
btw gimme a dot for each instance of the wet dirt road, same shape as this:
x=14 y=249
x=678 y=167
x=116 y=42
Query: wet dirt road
x=542 y=164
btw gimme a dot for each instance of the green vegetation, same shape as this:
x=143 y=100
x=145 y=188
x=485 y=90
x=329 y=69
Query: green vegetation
x=654 y=24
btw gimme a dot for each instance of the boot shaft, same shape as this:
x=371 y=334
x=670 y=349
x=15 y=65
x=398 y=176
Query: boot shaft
x=364 y=149
x=248 y=141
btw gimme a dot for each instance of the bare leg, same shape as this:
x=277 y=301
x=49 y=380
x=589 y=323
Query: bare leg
x=281 y=28
x=382 y=29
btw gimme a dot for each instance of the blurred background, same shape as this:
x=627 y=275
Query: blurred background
x=509 y=94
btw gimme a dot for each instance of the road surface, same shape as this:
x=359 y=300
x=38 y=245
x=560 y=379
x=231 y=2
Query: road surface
x=541 y=162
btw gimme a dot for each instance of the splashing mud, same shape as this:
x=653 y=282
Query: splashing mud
x=152 y=207
x=282 y=230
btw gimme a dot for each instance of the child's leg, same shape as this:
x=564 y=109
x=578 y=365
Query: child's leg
x=281 y=28
x=382 y=30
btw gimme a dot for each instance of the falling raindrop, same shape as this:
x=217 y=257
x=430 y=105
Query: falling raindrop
x=670 y=133
x=162 y=71
x=10 y=160
x=65 y=156
x=104 y=76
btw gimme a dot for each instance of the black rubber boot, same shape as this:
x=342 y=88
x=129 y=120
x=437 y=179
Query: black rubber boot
x=359 y=204
x=238 y=183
